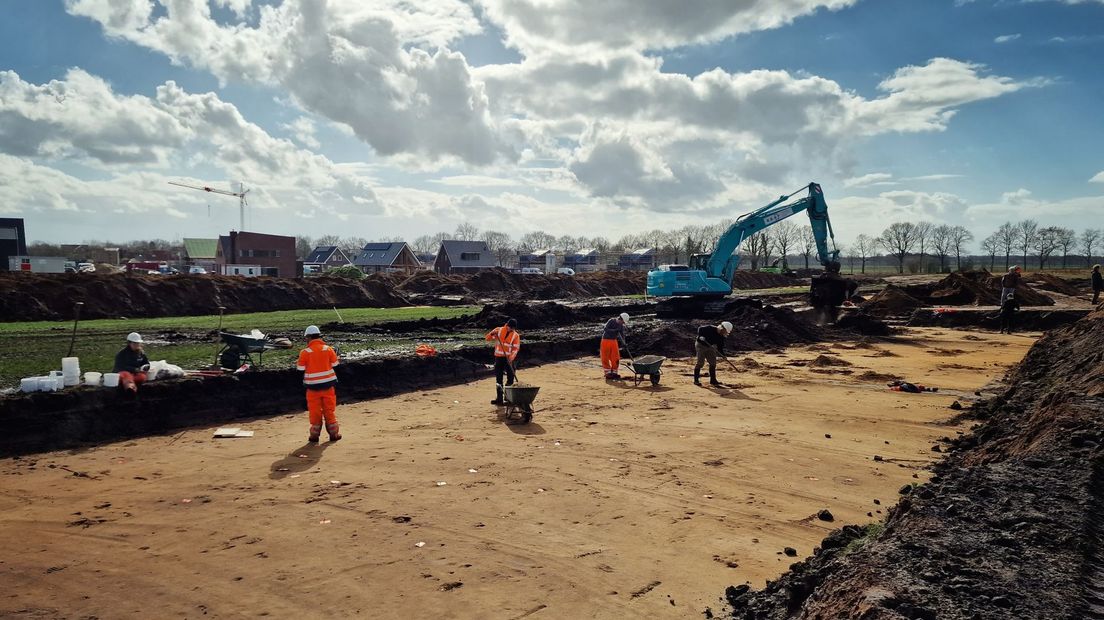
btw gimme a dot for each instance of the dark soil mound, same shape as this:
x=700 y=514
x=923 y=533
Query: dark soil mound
x=755 y=328
x=1047 y=282
x=823 y=361
x=29 y=297
x=891 y=301
x=1009 y=527
x=862 y=323
x=758 y=279
x=1026 y=320
x=977 y=288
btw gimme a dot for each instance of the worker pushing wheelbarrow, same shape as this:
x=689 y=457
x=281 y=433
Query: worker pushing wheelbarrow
x=518 y=399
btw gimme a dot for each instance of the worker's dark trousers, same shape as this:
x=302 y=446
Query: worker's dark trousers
x=705 y=353
x=1096 y=296
x=503 y=367
x=1006 y=322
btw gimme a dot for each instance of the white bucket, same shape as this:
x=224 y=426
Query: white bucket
x=28 y=384
x=111 y=379
x=70 y=365
x=70 y=380
x=92 y=378
x=54 y=373
x=47 y=384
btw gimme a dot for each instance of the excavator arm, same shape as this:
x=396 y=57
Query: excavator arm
x=710 y=275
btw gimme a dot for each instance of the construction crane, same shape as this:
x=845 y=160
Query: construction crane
x=239 y=194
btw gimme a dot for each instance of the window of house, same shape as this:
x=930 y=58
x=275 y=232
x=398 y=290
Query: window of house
x=469 y=255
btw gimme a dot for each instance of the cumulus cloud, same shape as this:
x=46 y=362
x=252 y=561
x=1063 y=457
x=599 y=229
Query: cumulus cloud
x=1006 y=38
x=303 y=130
x=1098 y=177
x=355 y=63
x=640 y=24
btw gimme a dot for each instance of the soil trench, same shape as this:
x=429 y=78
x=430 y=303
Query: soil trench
x=616 y=502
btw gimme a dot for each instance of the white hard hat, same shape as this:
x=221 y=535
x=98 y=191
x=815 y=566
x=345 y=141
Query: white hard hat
x=312 y=330
x=135 y=337
x=725 y=325
x=625 y=317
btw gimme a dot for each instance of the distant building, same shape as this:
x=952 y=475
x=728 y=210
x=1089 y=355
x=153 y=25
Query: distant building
x=274 y=254
x=463 y=257
x=90 y=253
x=37 y=264
x=585 y=259
x=394 y=256
x=643 y=259
x=13 y=239
x=201 y=253
x=325 y=257
x=536 y=259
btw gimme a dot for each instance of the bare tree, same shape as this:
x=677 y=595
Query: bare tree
x=424 y=244
x=1027 y=233
x=327 y=240
x=864 y=246
x=897 y=240
x=1067 y=238
x=303 y=247
x=991 y=245
x=923 y=235
x=466 y=231
x=941 y=244
x=351 y=246
x=1006 y=237
x=1088 y=240
x=960 y=236
x=536 y=240
x=500 y=244
x=807 y=243
x=755 y=247
x=1047 y=241
x=785 y=236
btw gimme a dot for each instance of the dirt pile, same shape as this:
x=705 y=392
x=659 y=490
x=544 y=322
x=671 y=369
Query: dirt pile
x=1009 y=527
x=1054 y=284
x=1026 y=320
x=758 y=279
x=977 y=288
x=30 y=297
x=755 y=328
x=891 y=301
x=502 y=284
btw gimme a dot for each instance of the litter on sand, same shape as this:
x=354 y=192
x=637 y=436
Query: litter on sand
x=324 y=522
x=228 y=432
x=473 y=471
x=419 y=544
x=441 y=484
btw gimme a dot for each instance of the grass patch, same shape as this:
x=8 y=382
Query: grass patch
x=35 y=348
x=870 y=532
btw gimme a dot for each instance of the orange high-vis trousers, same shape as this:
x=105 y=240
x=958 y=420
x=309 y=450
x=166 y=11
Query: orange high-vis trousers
x=321 y=404
x=611 y=355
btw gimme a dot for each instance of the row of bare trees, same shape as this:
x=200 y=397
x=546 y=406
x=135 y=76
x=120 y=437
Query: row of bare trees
x=1019 y=240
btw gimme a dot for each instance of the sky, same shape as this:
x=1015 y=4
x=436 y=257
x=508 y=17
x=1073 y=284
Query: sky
x=397 y=118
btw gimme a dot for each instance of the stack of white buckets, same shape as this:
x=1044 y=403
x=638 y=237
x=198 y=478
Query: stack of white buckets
x=68 y=376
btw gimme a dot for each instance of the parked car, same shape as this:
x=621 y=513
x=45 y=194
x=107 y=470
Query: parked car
x=567 y=271
x=531 y=270
x=86 y=268
x=197 y=271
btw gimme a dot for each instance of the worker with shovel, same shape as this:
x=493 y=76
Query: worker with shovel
x=613 y=334
x=132 y=364
x=507 y=344
x=708 y=345
x=317 y=362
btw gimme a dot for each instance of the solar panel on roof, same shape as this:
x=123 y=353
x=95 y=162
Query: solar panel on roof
x=379 y=247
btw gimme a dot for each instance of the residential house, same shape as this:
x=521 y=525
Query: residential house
x=393 y=256
x=13 y=240
x=463 y=257
x=201 y=253
x=325 y=257
x=275 y=254
x=537 y=259
x=643 y=259
x=585 y=259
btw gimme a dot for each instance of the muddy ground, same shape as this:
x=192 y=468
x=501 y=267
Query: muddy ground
x=1010 y=526
x=616 y=502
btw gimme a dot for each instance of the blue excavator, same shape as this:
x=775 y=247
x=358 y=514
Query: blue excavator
x=701 y=288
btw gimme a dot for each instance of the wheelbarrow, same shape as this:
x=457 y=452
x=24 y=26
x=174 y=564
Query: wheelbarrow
x=238 y=350
x=519 y=402
x=646 y=367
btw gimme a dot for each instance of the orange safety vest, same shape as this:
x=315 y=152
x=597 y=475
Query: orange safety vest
x=507 y=342
x=317 y=362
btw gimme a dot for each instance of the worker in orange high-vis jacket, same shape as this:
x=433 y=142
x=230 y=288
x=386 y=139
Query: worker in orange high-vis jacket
x=317 y=362
x=507 y=344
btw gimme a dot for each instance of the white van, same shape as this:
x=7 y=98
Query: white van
x=567 y=271
x=531 y=270
x=196 y=270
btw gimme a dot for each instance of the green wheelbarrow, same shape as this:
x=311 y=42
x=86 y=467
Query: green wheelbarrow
x=646 y=367
x=519 y=402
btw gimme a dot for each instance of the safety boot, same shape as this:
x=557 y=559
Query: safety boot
x=713 y=377
x=697 y=376
x=334 y=431
x=315 y=431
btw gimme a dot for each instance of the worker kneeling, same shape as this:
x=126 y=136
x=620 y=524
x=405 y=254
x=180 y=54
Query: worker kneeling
x=708 y=345
x=132 y=364
x=507 y=344
x=317 y=362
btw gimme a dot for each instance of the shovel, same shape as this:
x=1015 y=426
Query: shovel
x=76 y=319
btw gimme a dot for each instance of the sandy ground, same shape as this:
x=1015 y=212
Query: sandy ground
x=616 y=502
